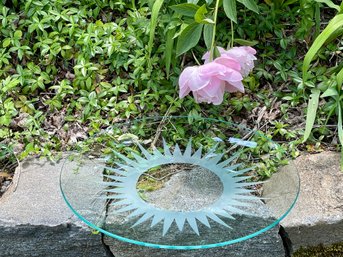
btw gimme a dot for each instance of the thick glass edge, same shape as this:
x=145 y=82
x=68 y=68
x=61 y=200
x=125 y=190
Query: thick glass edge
x=181 y=247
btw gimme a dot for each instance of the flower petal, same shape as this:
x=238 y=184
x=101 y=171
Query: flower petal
x=230 y=75
x=234 y=87
x=215 y=87
x=211 y=69
x=206 y=56
x=209 y=82
x=184 y=78
x=245 y=56
x=191 y=80
x=228 y=62
x=213 y=93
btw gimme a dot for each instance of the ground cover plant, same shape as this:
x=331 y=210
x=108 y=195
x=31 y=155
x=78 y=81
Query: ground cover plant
x=71 y=69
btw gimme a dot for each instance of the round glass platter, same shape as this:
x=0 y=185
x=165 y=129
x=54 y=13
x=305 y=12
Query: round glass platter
x=177 y=183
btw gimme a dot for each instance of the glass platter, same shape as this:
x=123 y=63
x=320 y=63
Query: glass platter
x=175 y=183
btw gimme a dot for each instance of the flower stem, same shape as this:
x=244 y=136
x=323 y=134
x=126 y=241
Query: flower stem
x=232 y=34
x=214 y=30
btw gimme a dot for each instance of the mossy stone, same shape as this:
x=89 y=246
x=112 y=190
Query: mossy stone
x=334 y=250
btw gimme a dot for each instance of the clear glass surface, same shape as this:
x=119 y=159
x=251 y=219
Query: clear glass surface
x=176 y=183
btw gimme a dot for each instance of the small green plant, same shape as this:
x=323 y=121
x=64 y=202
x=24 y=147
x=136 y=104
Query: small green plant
x=333 y=89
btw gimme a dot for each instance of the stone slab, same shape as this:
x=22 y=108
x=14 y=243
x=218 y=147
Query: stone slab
x=191 y=190
x=317 y=217
x=266 y=245
x=35 y=220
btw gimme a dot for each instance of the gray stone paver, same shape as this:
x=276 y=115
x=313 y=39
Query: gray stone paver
x=317 y=217
x=190 y=190
x=35 y=221
x=36 y=200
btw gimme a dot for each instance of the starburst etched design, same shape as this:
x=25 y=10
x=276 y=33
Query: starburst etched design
x=123 y=179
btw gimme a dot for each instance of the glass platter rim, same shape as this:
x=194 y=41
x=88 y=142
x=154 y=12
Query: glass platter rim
x=180 y=247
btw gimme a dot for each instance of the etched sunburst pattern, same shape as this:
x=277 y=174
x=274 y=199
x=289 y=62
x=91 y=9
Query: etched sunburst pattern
x=122 y=180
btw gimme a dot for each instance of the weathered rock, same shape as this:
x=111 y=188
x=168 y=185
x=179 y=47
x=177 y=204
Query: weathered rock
x=35 y=221
x=317 y=217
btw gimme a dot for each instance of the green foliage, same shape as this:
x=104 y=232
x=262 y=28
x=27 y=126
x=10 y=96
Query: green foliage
x=189 y=38
x=335 y=24
x=70 y=69
x=5 y=153
x=83 y=59
x=279 y=4
x=311 y=112
x=154 y=16
x=230 y=9
x=330 y=4
x=250 y=4
x=196 y=21
x=334 y=89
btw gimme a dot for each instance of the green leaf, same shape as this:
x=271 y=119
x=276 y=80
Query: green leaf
x=208 y=33
x=330 y=4
x=329 y=92
x=66 y=47
x=153 y=23
x=150 y=3
x=199 y=16
x=169 y=49
x=34 y=68
x=6 y=42
x=289 y=2
x=189 y=38
x=339 y=78
x=335 y=24
x=250 y=4
x=185 y=9
x=84 y=71
x=208 y=21
x=89 y=85
x=311 y=112
x=18 y=34
x=244 y=42
x=340 y=129
x=8 y=84
x=29 y=147
x=230 y=9
x=216 y=53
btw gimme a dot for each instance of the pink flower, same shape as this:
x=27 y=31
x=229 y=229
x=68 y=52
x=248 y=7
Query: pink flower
x=209 y=82
x=245 y=55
